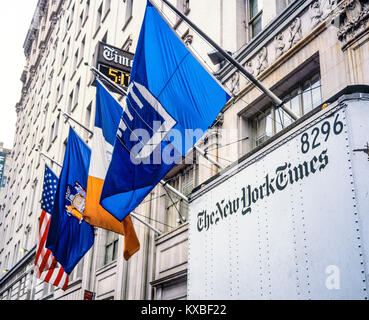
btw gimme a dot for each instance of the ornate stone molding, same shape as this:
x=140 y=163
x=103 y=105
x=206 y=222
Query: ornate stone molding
x=282 y=36
x=235 y=83
x=295 y=32
x=351 y=19
x=187 y=37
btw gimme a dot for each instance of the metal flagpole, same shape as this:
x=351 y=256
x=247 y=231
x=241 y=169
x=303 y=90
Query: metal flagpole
x=46 y=156
x=203 y=153
x=132 y=214
x=278 y=102
x=146 y=224
x=75 y=121
x=181 y=218
x=174 y=190
x=119 y=88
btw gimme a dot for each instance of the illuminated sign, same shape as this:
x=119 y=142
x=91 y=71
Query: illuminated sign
x=114 y=63
x=117 y=76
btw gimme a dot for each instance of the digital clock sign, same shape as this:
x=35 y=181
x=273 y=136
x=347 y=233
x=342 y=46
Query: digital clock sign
x=115 y=75
x=114 y=63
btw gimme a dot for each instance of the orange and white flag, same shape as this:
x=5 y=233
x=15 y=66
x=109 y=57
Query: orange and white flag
x=107 y=120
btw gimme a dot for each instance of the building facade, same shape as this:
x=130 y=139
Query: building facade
x=305 y=51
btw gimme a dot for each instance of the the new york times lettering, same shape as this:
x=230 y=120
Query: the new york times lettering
x=284 y=175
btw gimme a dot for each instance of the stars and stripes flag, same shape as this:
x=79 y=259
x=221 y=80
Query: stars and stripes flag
x=46 y=266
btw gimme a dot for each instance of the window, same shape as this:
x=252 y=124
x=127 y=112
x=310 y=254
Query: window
x=77 y=271
x=104 y=39
x=76 y=94
x=59 y=90
x=70 y=102
x=255 y=17
x=46 y=111
x=183 y=6
x=183 y=182
x=80 y=23
x=27 y=235
x=71 y=17
x=50 y=82
x=263 y=127
x=87 y=9
x=305 y=97
x=67 y=48
x=111 y=247
x=300 y=99
x=106 y=7
x=54 y=130
x=34 y=188
x=129 y=10
x=98 y=19
x=87 y=120
x=15 y=253
x=75 y=62
x=29 y=170
x=82 y=52
x=128 y=43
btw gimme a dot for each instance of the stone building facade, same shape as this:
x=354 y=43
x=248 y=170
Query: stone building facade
x=305 y=51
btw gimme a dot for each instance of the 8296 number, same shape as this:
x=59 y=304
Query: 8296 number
x=325 y=129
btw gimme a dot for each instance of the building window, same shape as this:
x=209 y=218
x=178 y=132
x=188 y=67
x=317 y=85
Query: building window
x=300 y=99
x=80 y=22
x=54 y=130
x=76 y=94
x=98 y=18
x=263 y=127
x=87 y=120
x=71 y=17
x=111 y=247
x=176 y=207
x=104 y=39
x=75 y=62
x=87 y=9
x=183 y=6
x=255 y=17
x=82 y=52
x=129 y=11
x=27 y=236
x=70 y=102
x=107 y=4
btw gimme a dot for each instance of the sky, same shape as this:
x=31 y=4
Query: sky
x=15 y=19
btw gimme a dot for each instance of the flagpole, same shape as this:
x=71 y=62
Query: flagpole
x=182 y=218
x=146 y=224
x=123 y=92
x=132 y=214
x=118 y=88
x=46 y=156
x=278 y=102
x=75 y=121
x=204 y=154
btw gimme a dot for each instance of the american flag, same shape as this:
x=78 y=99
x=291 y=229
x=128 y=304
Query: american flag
x=46 y=266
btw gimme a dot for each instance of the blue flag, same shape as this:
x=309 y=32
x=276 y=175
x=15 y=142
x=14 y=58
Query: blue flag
x=70 y=237
x=170 y=95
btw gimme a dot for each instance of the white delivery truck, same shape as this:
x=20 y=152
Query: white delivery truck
x=290 y=220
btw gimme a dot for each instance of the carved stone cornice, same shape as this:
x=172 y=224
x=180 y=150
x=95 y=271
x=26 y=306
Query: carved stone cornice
x=351 y=19
x=285 y=33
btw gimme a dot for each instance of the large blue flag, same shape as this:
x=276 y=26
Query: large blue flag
x=170 y=95
x=70 y=237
